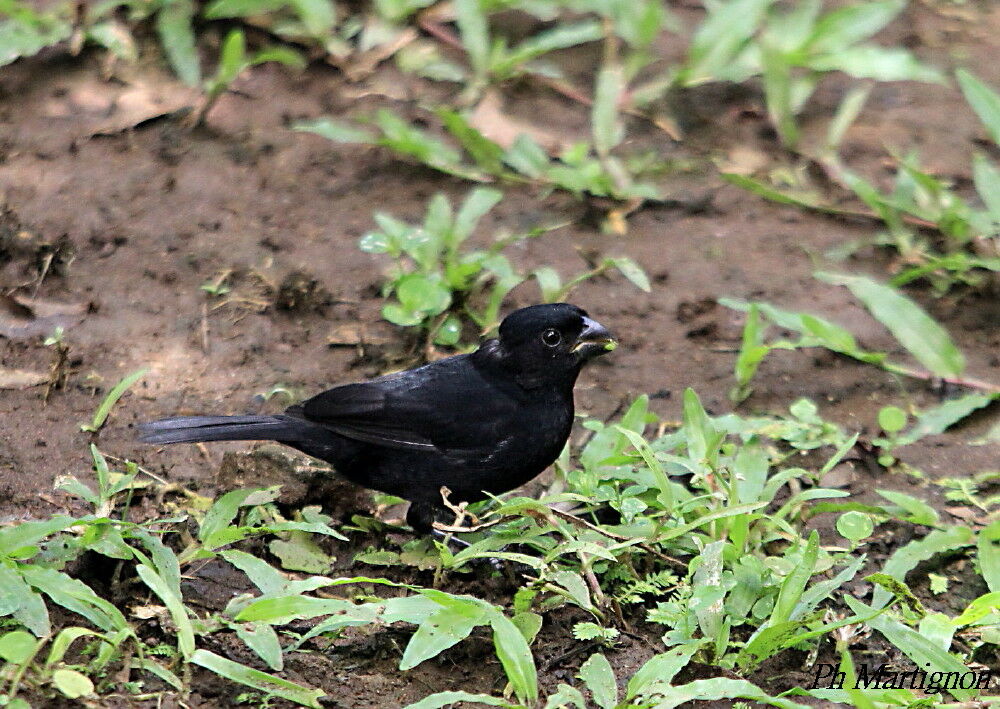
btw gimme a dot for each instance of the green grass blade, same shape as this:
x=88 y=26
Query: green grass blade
x=845 y=26
x=18 y=598
x=27 y=533
x=337 y=131
x=661 y=668
x=175 y=606
x=849 y=109
x=604 y=119
x=263 y=640
x=597 y=674
x=261 y=681
x=795 y=583
x=987 y=180
x=705 y=519
x=174 y=26
x=927 y=341
x=923 y=652
x=988 y=548
x=447 y=699
x=515 y=656
x=447 y=626
x=716 y=689
x=224 y=510
x=905 y=558
x=632 y=271
x=939 y=418
x=984 y=101
x=74 y=595
x=219 y=9
x=155 y=668
x=918 y=511
x=878 y=63
x=119 y=389
x=819 y=592
x=475 y=33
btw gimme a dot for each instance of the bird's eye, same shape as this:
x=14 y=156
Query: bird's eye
x=552 y=337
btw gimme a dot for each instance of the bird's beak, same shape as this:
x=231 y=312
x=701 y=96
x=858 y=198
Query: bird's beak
x=594 y=341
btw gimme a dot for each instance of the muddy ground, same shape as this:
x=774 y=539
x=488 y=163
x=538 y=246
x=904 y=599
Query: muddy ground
x=140 y=213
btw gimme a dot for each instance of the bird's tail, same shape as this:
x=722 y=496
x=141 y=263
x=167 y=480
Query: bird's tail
x=193 y=429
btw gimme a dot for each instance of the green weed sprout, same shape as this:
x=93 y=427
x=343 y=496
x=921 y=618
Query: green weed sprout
x=437 y=283
x=583 y=168
x=966 y=249
x=25 y=31
x=234 y=60
x=792 y=50
x=493 y=58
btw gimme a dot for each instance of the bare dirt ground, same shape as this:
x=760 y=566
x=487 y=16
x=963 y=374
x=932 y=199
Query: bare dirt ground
x=142 y=214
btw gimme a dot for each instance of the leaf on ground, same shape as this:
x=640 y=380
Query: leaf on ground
x=301 y=553
x=939 y=418
x=22 y=318
x=361 y=65
x=21 y=378
x=355 y=334
x=141 y=100
x=744 y=161
x=88 y=105
x=503 y=129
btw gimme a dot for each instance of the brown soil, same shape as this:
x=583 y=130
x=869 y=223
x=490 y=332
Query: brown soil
x=138 y=214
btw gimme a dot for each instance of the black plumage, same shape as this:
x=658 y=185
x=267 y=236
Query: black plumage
x=483 y=422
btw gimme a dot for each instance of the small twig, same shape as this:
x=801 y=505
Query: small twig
x=617 y=608
x=439 y=32
x=138 y=467
x=203 y=449
x=575 y=650
x=460 y=512
x=560 y=86
x=360 y=66
x=968 y=382
x=204 y=328
x=45 y=269
x=58 y=370
x=595 y=585
x=462 y=530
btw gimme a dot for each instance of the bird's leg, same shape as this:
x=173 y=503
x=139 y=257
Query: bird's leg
x=450 y=537
x=460 y=509
x=425 y=517
x=497 y=564
x=421 y=516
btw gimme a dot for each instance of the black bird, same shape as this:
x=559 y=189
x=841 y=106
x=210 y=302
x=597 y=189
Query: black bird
x=485 y=422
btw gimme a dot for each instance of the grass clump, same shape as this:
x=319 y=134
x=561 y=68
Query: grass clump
x=439 y=284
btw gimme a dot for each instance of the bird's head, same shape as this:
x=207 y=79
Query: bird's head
x=549 y=343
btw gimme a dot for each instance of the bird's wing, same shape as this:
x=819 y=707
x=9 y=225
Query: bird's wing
x=446 y=406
